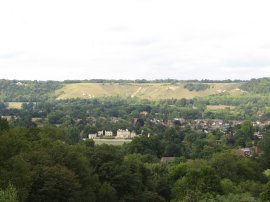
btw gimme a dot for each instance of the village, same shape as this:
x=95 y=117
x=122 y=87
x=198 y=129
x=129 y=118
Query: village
x=120 y=134
x=204 y=125
x=209 y=125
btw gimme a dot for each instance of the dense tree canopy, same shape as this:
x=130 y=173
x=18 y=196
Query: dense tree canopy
x=178 y=154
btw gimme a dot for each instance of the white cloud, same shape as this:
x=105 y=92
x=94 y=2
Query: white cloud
x=57 y=39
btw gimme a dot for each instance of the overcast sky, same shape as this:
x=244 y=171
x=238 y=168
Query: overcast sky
x=134 y=39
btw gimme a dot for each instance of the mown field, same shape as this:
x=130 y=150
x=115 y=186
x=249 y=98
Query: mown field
x=219 y=107
x=15 y=105
x=151 y=91
x=111 y=141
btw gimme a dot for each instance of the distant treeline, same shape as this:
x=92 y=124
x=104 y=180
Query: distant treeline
x=27 y=91
x=257 y=86
x=151 y=81
x=196 y=86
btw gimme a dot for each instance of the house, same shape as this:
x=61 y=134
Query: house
x=108 y=133
x=138 y=122
x=100 y=133
x=235 y=123
x=19 y=83
x=155 y=121
x=169 y=123
x=144 y=113
x=245 y=152
x=258 y=135
x=167 y=159
x=92 y=136
x=123 y=134
x=216 y=123
x=8 y=118
x=224 y=128
x=115 y=119
x=133 y=134
x=179 y=121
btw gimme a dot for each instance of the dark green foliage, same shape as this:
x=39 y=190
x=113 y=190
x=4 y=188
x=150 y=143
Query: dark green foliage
x=158 y=179
x=107 y=193
x=56 y=183
x=148 y=196
x=27 y=91
x=265 y=195
x=258 y=86
x=2 y=106
x=24 y=119
x=56 y=117
x=265 y=145
x=241 y=197
x=145 y=145
x=43 y=166
x=9 y=194
x=53 y=163
x=244 y=134
x=195 y=183
x=4 y=125
x=223 y=177
x=150 y=81
x=196 y=86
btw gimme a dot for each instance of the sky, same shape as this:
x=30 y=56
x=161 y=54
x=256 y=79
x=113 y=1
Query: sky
x=134 y=39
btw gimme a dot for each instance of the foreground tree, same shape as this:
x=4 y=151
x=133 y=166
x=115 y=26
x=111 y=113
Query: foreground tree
x=56 y=183
x=9 y=194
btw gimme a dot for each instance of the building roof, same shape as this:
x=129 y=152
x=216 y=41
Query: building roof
x=167 y=159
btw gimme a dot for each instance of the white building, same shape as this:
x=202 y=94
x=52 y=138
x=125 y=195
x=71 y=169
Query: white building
x=122 y=134
x=92 y=136
x=125 y=134
x=108 y=133
x=259 y=136
x=100 y=133
x=19 y=84
x=133 y=134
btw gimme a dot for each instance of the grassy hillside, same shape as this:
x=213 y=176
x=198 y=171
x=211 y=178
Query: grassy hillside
x=15 y=105
x=143 y=90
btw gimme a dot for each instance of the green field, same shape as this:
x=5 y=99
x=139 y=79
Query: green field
x=151 y=91
x=15 y=105
x=111 y=141
x=219 y=107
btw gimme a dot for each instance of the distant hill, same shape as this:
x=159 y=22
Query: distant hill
x=36 y=91
x=145 y=90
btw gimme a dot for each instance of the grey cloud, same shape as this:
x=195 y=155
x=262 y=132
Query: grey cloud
x=120 y=28
x=10 y=55
x=265 y=46
x=143 y=42
x=157 y=59
x=248 y=63
x=144 y=1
